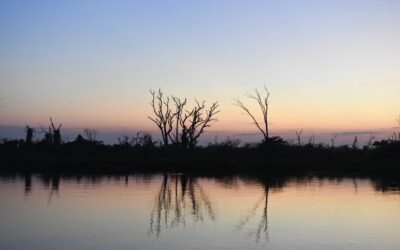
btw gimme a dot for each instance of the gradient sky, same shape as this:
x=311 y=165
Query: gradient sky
x=328 y=64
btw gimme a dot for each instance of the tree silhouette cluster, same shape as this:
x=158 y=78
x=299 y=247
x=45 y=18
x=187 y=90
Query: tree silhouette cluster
x=52 y=135
x=179 y=124
x=141 y=139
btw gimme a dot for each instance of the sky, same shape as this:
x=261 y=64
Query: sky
x=329 y=65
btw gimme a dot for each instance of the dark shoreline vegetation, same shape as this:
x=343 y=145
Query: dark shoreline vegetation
x=228 y=157
x=181 y=127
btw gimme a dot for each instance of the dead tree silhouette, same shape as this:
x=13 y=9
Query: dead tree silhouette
x=56 y=133
x=398 y=133
x=311 y=140
x=163 y=116
x=183 y=127
x=90 y=134
x=48 y=135
x=298 y=136
x=370 y=141
x=180 y=197
x=52 y=135
x=178 y=113
x=333 y=139
x=29 y=135
x=263 y=103
x=195 y=121
x=355 y=143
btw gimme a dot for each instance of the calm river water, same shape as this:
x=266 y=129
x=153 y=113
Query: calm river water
x=176 y=211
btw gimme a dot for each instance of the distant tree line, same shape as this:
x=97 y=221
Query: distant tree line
x=182 y=125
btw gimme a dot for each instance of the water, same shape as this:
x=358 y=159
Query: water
x=172 y=211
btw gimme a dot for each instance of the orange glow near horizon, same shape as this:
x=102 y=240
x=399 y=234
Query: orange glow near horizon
x=135 y=116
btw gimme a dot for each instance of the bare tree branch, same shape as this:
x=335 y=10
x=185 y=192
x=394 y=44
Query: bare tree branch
x=312 y=139
x=163 y=117
x=183 y=127
x=177 y=116
x=263 y=103
x=298 y=135
x=333 y=140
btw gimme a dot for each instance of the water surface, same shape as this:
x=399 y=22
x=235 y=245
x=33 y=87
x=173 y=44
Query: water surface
x=176 y=211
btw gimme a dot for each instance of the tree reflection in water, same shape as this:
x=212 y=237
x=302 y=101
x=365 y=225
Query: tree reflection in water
x=261 y=230
x=50 y=182
x=180 y=197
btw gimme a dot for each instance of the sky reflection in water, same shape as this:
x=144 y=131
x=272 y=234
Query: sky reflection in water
x=176 y=211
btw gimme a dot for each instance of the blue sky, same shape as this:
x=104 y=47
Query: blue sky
x=328 y=64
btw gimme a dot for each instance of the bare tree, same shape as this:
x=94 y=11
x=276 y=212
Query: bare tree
x=90 y=134
x=355 y=143
x=141 y=139
x=298 y=136
x=48 y=135
x=125 y=140
x=178 y=113
x=398 y=134
x=263 y=103
x=183 y=127
x=370 y=141
x=333 y=140
x=29 y=135
x=56 y=133
x=195 y=121
x=311 y=141
x=163 y=116
x=52 y=135
x=393 y=137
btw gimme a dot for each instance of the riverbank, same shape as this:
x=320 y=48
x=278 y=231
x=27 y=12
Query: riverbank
x=383 y=157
